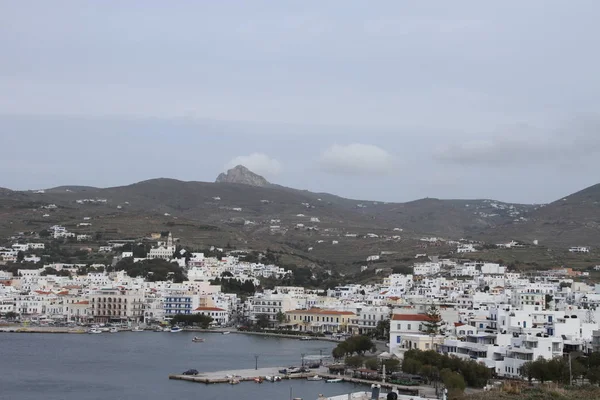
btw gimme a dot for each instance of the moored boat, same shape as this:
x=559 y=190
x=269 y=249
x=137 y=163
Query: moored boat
x=197 y=339
x=338 y=380
x=176 y=329
x=226 y=333
x=314 y=378
x=95 y=331
x=113 y=330
x=137 y=329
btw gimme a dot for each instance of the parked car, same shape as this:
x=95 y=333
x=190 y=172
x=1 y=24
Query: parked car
x=314 y=365
x=191 y=372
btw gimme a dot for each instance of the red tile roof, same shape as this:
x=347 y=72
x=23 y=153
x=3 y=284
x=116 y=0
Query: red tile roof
x=209 y=309
x=321 y=311
x=82 y=302
x=410 y=317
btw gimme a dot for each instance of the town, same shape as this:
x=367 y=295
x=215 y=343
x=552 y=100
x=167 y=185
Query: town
x=472 y=310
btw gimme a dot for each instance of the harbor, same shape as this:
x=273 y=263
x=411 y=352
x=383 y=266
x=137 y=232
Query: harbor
x=260 y=375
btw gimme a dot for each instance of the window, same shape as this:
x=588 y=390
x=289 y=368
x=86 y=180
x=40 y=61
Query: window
x=399 y=326
x=398 y=339
x=408 y=327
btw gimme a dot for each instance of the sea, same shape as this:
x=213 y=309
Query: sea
x=136 y=365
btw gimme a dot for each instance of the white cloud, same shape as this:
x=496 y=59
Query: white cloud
x=356 y=159
x=258 y=163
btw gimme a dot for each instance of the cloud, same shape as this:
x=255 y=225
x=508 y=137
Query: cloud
x=356 y=159
x=524 y=146
x=258 y=163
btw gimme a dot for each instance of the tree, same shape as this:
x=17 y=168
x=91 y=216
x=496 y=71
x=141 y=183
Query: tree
x=338 y=352
x=453 y=380
x=372 y=363
x=190 y=320
x=433 y=324
x=262 y=321
x=391 y=365
x=354 y=361
x=382 y=330
x=280 y=317
x=44 y=233
x=11 y=315
x=20 y=256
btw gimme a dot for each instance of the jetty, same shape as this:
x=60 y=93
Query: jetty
x=250 y=375
x=240 y=375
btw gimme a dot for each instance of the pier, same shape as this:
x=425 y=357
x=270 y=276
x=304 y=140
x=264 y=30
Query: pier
x=250 y=375
x=241 y=375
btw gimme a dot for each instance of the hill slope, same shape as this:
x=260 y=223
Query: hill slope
x=275 y=216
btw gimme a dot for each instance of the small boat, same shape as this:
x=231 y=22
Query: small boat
x=197 y=339
x=158 y=329
x=314 y=378
x=95 y=331
x=306 y=338
x=166 y=329
x=226 y=333
x=113 y=330
x=338 y=380
x=176 y=329
x=234 y=381
x=137 y=329
x=258 y=379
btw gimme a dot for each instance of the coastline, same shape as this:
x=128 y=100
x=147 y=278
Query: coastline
x=55 y=330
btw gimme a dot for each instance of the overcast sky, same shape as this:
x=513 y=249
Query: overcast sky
x=386 y=100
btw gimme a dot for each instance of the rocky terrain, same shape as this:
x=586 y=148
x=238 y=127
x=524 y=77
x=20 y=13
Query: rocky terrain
x=243 y=210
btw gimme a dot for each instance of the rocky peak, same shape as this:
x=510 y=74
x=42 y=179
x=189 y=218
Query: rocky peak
x=242 y=175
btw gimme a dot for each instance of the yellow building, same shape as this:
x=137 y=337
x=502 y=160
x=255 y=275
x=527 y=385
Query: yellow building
x=322 y=320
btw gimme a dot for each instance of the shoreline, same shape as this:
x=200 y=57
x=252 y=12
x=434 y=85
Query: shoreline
x=57 y=330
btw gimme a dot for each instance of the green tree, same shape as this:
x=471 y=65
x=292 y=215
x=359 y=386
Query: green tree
x=11 y=315
x=44 y=233
x=382 y=330
x=354 y=361
x=391 y=364
x=433 y=324
x=280 y=317
x=20 y=256
x=200 y=320
x=453 y=380
x=372 y=363
x=262 y=321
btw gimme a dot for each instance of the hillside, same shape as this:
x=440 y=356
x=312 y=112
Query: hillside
x=298 y=223
x=570 y=221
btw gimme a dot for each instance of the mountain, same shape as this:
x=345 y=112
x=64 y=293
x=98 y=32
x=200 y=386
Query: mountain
x=243 y=176
x=244 y=210
x=573 y=220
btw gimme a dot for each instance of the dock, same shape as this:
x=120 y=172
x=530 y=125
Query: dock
x=249 y=375
x=242 y=375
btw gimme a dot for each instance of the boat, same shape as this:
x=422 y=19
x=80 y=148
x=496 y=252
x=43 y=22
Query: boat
x=314 y=378
x=113 y=330
x=197 y=339
x=166 y=329
x=137 y=329
x=95 y=330
x=158 y=329
x=258 y=379
x=338 y=380
x=306 y=338
x=176 y=329
x=226 y=333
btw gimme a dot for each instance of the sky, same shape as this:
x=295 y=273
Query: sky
x=386 y=100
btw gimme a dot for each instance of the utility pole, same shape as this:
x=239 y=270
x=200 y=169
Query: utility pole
x=570 y=371
x=256 y=361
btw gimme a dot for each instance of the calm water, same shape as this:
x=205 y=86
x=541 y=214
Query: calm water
x=131 y=365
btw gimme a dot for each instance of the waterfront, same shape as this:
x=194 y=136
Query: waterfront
x=131 y=365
